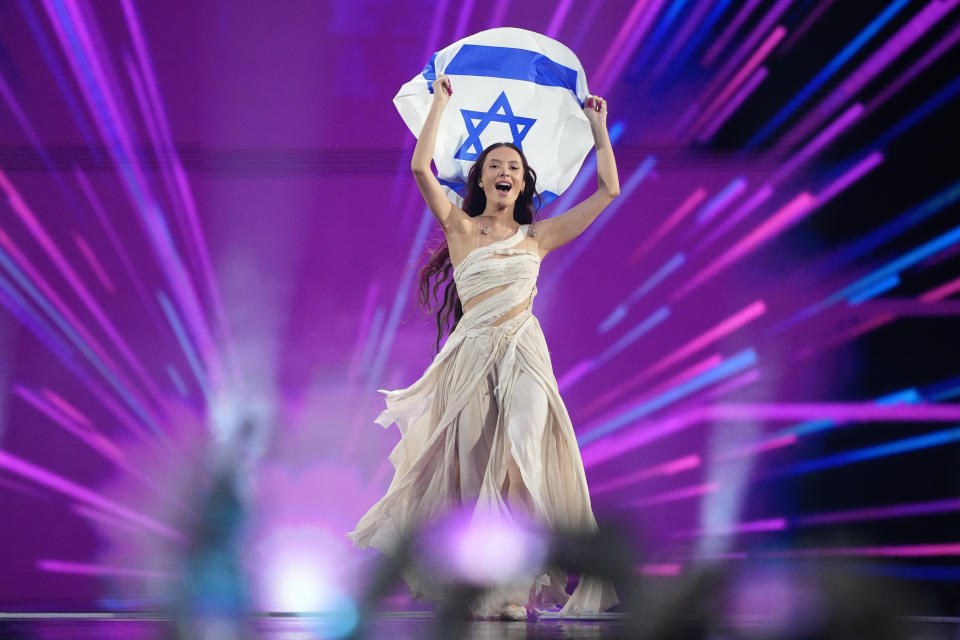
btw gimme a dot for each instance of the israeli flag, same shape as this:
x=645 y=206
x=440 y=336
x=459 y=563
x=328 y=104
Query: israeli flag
x=509 y=85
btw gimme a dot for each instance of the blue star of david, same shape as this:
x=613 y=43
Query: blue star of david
x=477 y=121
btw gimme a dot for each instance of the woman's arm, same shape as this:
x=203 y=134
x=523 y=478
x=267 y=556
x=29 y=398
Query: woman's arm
x=447 y=214
x=559 y=230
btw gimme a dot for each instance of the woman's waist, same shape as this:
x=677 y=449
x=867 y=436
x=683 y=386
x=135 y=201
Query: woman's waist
x=507 y=323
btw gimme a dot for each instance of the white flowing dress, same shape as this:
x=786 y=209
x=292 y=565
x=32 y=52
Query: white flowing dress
x=490 y=396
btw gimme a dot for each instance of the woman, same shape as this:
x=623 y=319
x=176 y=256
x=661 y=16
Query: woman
x=485 y=425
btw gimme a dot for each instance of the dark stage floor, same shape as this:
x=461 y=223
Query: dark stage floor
x=392 y=626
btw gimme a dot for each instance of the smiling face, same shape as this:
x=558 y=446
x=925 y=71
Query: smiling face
x=502 y=176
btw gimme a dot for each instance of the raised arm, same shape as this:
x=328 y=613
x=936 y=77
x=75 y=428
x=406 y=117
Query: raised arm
x=447 y=214
x=559 y=230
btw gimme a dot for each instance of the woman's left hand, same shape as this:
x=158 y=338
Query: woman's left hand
x=595 y=109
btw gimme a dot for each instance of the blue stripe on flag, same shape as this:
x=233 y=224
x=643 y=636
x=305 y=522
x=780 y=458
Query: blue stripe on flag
x=430 y=72
x=508 y=63
x=456 y=186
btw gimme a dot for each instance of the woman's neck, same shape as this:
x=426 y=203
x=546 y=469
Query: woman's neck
x=498 y=215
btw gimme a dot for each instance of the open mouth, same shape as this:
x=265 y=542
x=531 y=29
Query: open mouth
x=503 y=186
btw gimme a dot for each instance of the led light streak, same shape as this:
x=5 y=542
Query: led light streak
x=684 y=42
x=660 y=569
x=720 y=201
x=181 y=335
x=608 y=397
x=741 y=76
x=943 y=291
x=652 y=430
x=915 y=69
x=759 y=447
x=558 y=18
x=618 y=44
x=118 y=245
x=585 y=177
x=891 y=551
x=832 y=518
x=94 y=263
x=201 y=254
x=906 y=445
x=755 y=526
x=830 y=133
x=818 y=10
x=59 y=76
x=874 y=290
x=734 y=61
x=670 y=468
x=884 y=56
x=376 y=328
x=641 y=60
x=647 y=325
x=24 y=123
x=42 y=331
x=37 y=230
x=88 y=435
x=724 y=38
x=66 y=408
x=400 y=299
x=905 y=261
x=78 y=568
x=69 y=488
x=711 y=336
x=832 y=67
x=100 y=517
x=624 y=43
x=86 y=63
x=177 y=381
x=934 y=102
x=850 y=176
x=572 y=252
x=836 y=411
x=645 y=287
x=499 y=13
x=752 y=203
x=733 y=384
x=47 y=336
x=363 y=330
x=888 y=231
x=784 y=218
x=69 y=324
x=732 y=365
x=877 y=513
x=681 y=212
x=62 y=414
x=585 y=23
x=675 y=495
x=745 y=91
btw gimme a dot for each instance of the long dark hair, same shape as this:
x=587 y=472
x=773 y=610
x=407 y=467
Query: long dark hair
x=439 y=269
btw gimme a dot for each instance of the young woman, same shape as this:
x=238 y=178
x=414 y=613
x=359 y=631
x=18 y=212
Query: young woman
x=485 y=425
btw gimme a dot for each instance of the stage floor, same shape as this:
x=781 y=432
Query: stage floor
x=388 y=626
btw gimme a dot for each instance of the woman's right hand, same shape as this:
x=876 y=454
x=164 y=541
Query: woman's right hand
x=442 y=90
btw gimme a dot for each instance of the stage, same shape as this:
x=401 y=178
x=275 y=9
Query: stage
x=211 y=245
x=386 y=626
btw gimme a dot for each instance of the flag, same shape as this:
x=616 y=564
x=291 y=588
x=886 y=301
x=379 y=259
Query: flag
x=509 y=85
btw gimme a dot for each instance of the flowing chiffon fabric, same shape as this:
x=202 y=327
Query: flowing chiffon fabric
x=488 y=400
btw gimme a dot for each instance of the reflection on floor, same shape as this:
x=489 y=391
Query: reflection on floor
x=391 y=626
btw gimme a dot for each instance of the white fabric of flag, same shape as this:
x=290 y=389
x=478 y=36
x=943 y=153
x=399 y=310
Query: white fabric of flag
x=509 y=85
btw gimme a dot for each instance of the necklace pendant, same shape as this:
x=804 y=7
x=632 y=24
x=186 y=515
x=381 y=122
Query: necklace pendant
x=485 y=230
x=532 y=231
